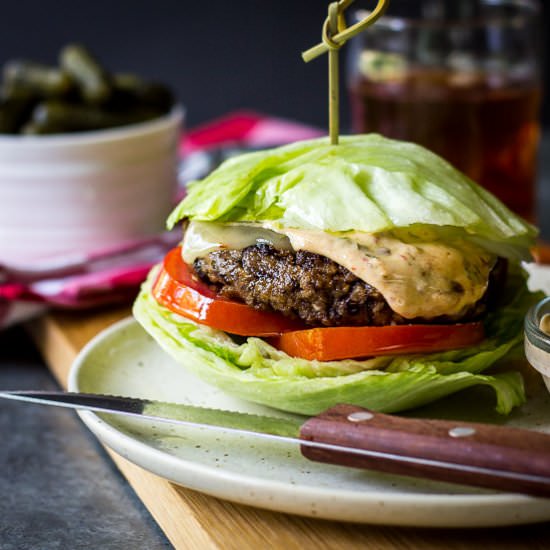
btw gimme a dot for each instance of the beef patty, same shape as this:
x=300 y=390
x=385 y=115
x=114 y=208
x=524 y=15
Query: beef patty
x=307 y=286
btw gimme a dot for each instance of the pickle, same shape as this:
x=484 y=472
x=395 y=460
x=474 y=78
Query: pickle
x=36 y=129
x=73 y=117
x=91 y=78
x=42 y=80
x=78 y=96
x=151 y=94
x=14 y=111
x=67 y=117
x=141 y=114
x=127 y=82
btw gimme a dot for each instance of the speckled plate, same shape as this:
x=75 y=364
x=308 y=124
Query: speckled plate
x=124 y=360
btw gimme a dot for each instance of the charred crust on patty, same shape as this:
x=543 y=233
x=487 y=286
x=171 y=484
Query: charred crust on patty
x=310 y=287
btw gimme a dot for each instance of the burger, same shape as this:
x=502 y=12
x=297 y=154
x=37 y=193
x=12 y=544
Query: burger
x=369 y=272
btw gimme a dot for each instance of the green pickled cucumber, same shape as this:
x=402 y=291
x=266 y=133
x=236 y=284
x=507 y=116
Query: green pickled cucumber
x=14 y=111
x=92 y=79
x=132 y=88
x=29 y=77
x=78 y=96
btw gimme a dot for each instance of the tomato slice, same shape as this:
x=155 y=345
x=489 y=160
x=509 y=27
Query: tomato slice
x=333 y=343
x=180 y=291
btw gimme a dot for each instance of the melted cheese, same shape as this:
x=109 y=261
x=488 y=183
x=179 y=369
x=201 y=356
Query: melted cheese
x=201 y=238
x=418 y=275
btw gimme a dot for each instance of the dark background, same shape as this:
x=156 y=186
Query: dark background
x=219 y=55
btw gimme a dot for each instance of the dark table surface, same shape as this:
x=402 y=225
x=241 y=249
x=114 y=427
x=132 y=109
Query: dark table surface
x=58 y=487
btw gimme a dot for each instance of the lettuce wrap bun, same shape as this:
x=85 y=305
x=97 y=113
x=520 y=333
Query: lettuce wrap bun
x=387 y=234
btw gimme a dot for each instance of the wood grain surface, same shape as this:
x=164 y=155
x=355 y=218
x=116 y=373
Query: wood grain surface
x=196 y=521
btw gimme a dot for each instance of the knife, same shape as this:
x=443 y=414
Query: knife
x=483 y=455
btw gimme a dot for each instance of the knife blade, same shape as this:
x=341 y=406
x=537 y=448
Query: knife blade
x=483 y=455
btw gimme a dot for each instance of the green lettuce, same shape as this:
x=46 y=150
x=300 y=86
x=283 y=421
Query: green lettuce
x=367 y=183
x=256 y=371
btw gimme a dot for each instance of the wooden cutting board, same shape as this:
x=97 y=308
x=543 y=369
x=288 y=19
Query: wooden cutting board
x=196 y=521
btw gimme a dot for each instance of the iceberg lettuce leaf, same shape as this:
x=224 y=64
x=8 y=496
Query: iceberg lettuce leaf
x=367 y=183
x=256 y=371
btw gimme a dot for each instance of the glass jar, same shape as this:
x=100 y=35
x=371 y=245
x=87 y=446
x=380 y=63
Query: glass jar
x=537 y=341
x=461 y=78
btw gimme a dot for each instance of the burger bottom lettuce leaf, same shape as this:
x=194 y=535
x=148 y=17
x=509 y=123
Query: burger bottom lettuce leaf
x=256 y=371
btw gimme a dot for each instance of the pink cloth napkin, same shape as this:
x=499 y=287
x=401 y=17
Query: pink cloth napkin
x=114 y=275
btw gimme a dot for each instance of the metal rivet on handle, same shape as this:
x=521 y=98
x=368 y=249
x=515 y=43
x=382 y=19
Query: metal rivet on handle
x=360 y=416
x=460 y=431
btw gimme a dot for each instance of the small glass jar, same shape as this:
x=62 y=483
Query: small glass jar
x=537 y=342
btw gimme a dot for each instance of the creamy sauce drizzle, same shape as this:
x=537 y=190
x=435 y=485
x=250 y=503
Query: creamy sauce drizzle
x=418 y=275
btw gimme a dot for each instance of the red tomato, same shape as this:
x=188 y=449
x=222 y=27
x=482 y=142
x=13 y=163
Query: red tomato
x=332 y=343
x=179 y=290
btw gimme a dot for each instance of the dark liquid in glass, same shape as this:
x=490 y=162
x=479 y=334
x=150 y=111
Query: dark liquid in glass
x=489 y=132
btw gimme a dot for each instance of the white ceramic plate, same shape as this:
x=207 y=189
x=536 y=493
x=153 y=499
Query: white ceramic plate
x=124 y=360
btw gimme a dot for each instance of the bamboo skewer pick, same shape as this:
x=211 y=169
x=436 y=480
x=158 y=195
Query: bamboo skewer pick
x=333 y=74
x=335 y=35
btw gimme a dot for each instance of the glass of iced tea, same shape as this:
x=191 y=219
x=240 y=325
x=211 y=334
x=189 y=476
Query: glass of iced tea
x=460 y=77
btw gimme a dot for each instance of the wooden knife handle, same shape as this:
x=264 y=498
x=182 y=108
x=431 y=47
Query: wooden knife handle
x=521 y=456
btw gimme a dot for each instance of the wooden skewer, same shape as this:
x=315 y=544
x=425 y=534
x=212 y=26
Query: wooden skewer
x=348 y=32
x=335 y=35
x=333 y=76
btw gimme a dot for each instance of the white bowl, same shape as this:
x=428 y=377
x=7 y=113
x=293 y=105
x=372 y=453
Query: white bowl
x=84 y=192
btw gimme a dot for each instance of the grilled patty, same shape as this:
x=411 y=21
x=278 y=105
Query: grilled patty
x=298 y=284
x=307 y=286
